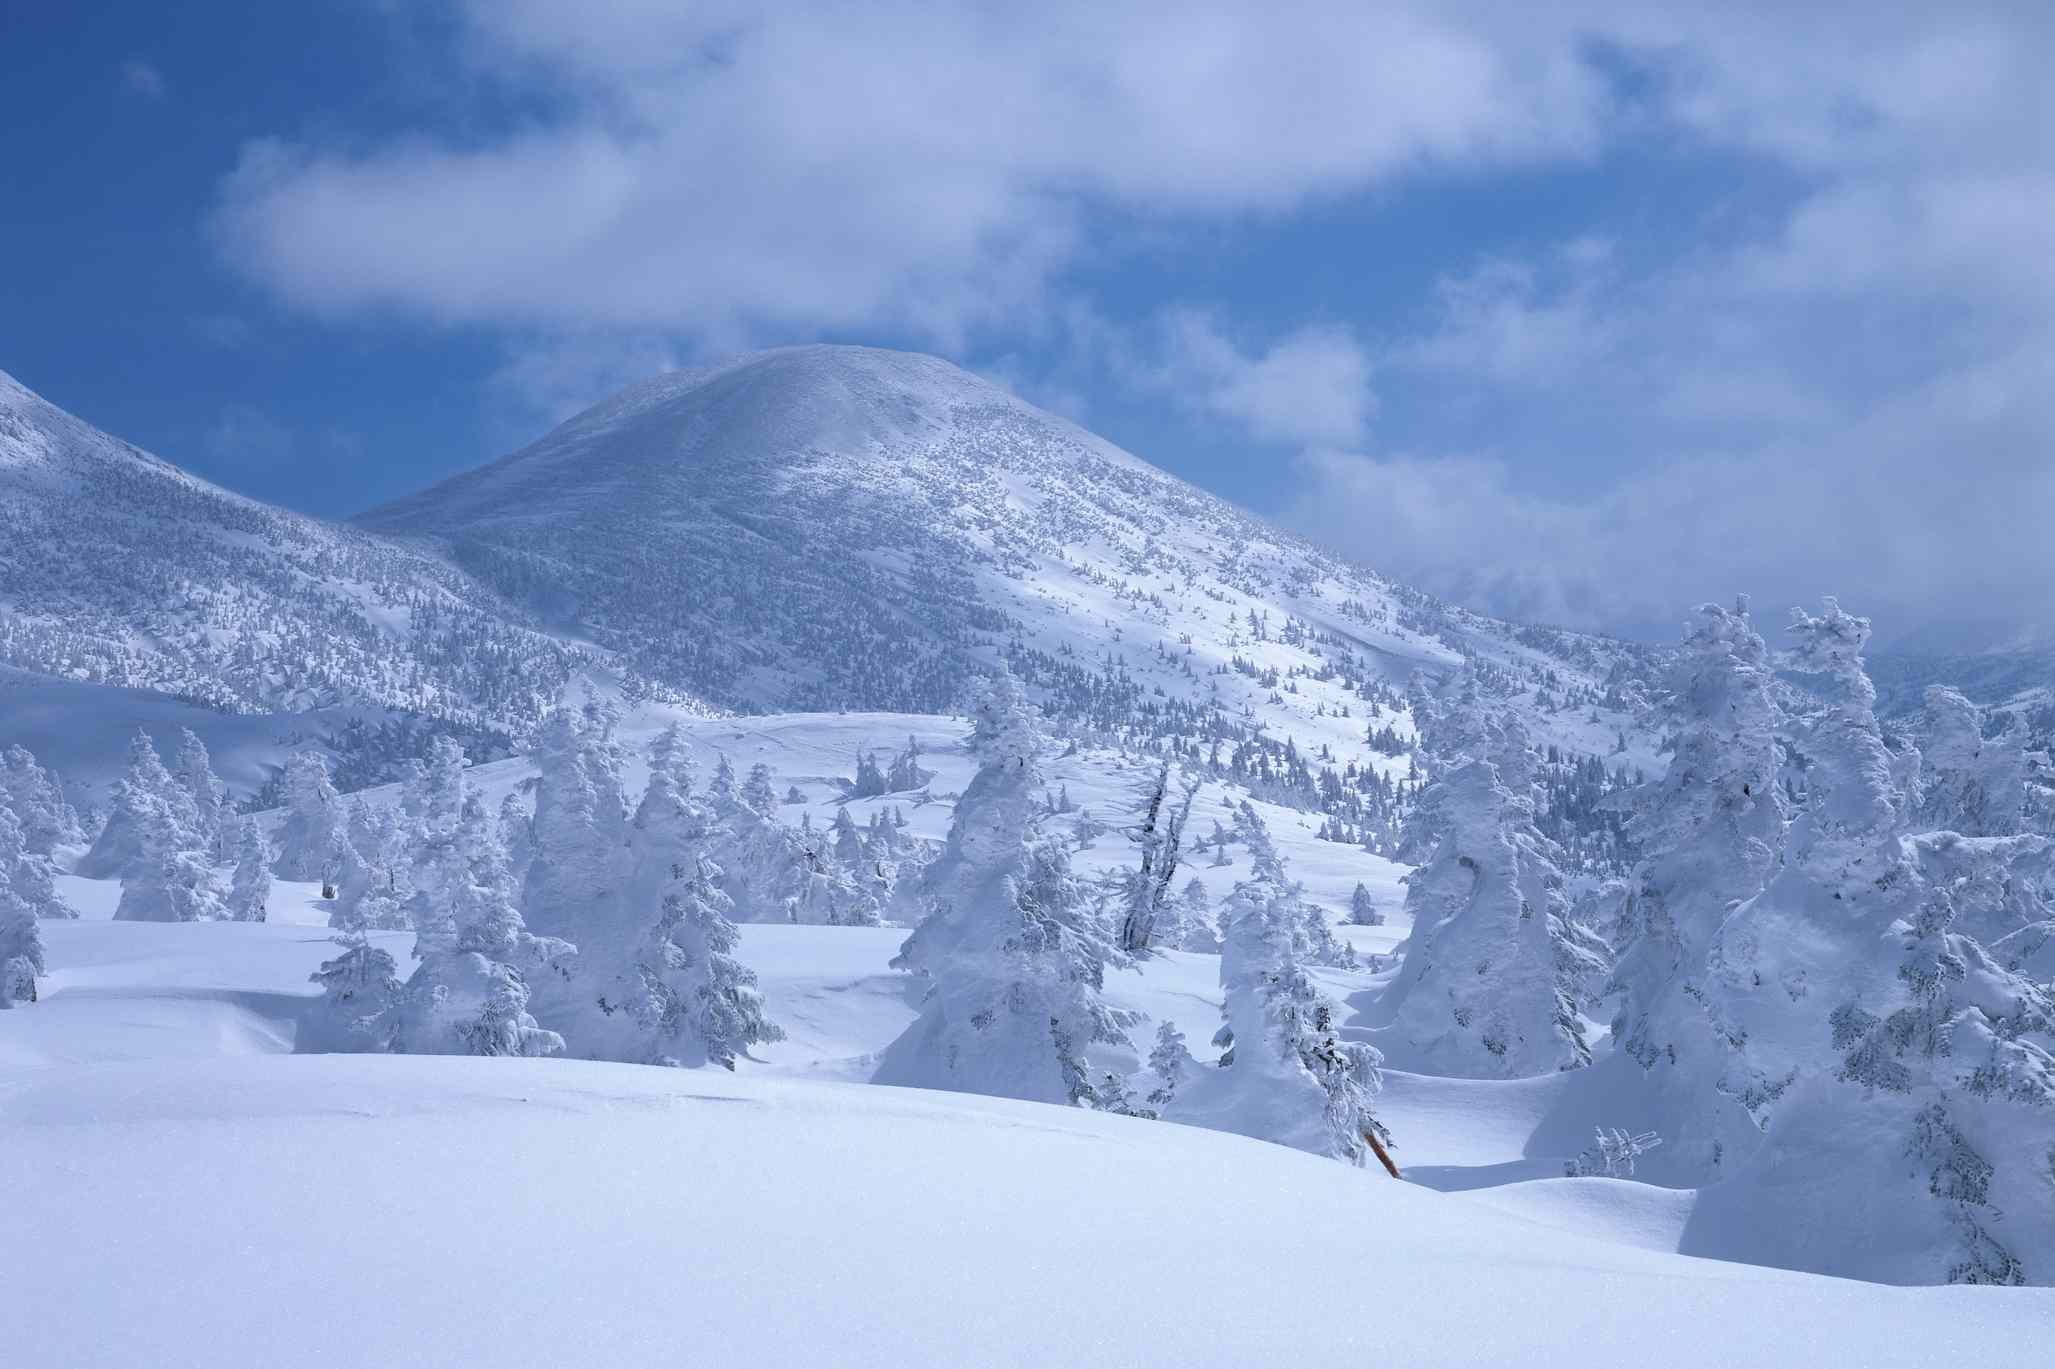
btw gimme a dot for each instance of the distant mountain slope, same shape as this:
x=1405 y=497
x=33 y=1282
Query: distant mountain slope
x=840 y=527
x=118 y=568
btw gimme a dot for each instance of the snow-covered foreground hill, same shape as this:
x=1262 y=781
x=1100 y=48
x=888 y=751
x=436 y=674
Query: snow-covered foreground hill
x=350 y=1210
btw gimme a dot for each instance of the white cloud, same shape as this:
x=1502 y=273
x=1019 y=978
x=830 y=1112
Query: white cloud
x=1930 y=508
x=818 y=166
x=139 y=77
x=542 y=381
x=1310 y=387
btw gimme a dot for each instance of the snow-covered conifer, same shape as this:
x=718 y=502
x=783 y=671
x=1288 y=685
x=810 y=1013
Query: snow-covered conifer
x=213 y=815
x=869 y=781
x=1170 y=1060
x=848 y=840
x=1363 y=908
x=1013 y=951
x=146 y=787
x=21 y=940
x=580 y=829
x=316 y=818
x=757 y=791
x=1495 y=972
x=720 y=790
x=703 y=1004
x=1899 y=1073
x=250 y=887
x=469 y=994
x=1969 y=782
x=1285 y=1074
x=169 y=880
x=906 y=774
x=1196 y=931
x=47 y=820
x=27 y=871
x=360 y=989
x=1710 y=832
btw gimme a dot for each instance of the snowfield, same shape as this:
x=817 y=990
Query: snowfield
x=356 y=1211
x=192 y=1194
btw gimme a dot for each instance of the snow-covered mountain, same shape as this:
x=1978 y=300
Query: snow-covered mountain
x=118 y=568
x=831 y=527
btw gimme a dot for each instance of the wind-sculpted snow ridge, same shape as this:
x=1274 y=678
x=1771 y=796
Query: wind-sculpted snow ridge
x=117 y=568
x=841 y=527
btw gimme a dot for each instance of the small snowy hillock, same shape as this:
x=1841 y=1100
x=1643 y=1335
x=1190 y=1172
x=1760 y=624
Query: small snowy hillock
x=356 y=1211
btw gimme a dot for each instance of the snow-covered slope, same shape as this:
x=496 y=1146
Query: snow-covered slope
x=118 y=568
x=843 y=527
x=415 y=1211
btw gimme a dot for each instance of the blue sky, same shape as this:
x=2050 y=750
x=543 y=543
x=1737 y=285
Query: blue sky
x=1583 y=312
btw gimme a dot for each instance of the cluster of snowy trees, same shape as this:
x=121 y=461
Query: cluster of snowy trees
x=584 y=926
x=1015 y=949
x=167 y=835
x=1829 y=969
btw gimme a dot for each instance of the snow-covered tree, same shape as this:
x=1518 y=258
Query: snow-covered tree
x=1901 y=1076
x=757 y=791
x=27 y=871
x=360 y=989
x=250 y=888
x=169 y=880
x=847 y=840
x=580 y=828
x=1285 y=1074
x=1612 y=1154
x=146 y=787
x=213 y=815
x=1012 y=949
x=1710 y=832
x=870 y=780
x=906 y=774
x=1495 y=972
x=48 y=822
x=1968 y=782
x=1196 y=929
x=702 y=1003
x=1363 y=908
x=358 y=1007
x=21 y=939
x=1170 y=1060
x=469 y=994
x=1159 y=843
x=316 y=818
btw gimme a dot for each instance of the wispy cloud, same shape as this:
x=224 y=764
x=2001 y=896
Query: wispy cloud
x=142 y=78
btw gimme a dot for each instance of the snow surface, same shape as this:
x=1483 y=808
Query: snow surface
x=352 y=1211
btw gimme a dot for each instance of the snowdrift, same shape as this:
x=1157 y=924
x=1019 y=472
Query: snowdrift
x=414 y=1211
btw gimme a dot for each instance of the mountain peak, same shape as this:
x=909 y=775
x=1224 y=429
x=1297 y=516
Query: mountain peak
x=692 y=433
